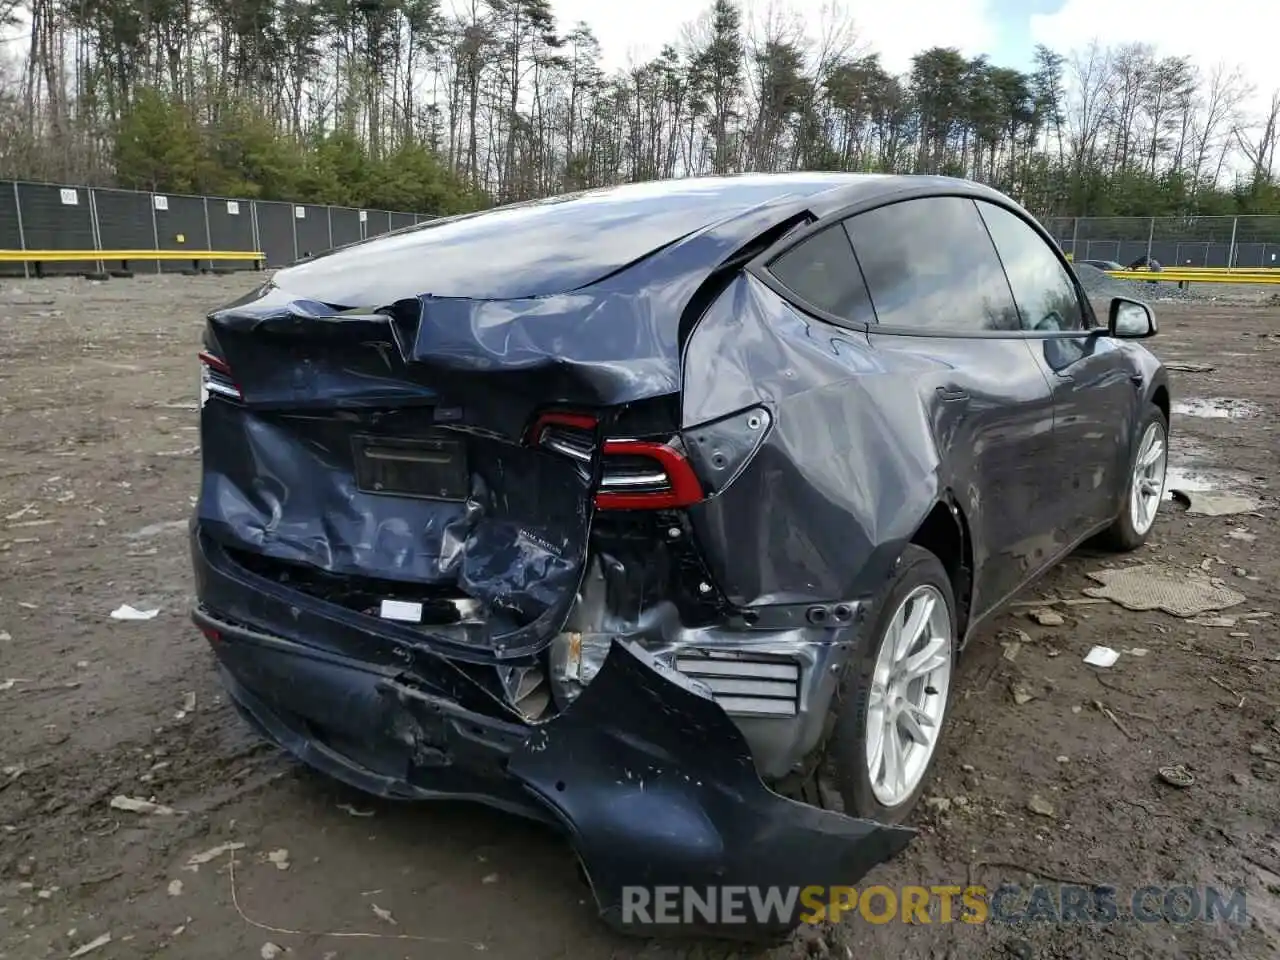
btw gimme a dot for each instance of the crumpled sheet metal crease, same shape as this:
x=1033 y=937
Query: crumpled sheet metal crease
x=628 y=772
x=833 y=489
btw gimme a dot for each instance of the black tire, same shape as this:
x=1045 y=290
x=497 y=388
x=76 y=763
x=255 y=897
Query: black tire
x=1122 y=536
x=846 y=755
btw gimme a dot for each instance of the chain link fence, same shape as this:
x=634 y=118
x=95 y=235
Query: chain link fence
x=51 y=217
x=1174 y=241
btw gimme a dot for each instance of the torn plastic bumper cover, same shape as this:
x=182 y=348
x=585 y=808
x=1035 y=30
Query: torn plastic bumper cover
x=651 y=779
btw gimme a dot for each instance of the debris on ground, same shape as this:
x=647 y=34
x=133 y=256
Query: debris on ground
x=1107 y=712
x=127 y=612
x=188 y=704
x=1206 y=504
x=1040 y=806
x=1176 y=775
x=137 y=805
x=1222 y=622
x=94 y=944
x=280 y=858
x=213 y=853
x=382 y=914
x=1046 y=617
x=1235 y=693
x=354 y=811
x=1101 y=657
x=1188 y=366
x=1021 y=694
x=270 y=951
x=175 y=888
x=1158 y=586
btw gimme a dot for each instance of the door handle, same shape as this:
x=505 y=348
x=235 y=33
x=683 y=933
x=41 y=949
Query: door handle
x=952 y=396
x=1138 y=379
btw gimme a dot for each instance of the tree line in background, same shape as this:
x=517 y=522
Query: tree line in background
x=405 y=105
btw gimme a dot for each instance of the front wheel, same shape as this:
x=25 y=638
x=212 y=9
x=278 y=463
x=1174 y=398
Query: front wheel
x=1146 y=484
x=893 y=699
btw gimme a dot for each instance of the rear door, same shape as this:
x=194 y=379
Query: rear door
x=1096 y=390
x=944 y=307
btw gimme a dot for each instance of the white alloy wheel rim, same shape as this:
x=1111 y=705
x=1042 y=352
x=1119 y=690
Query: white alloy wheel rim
x=1147 y=486
x=908 y=694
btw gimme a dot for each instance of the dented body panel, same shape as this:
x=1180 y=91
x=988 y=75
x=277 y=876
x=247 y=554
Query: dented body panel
x=569 y=508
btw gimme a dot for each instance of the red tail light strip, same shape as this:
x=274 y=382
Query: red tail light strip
x=682 y=485
x=216 y=362
x=581 y=421
x=684 y=488
x=217 y=365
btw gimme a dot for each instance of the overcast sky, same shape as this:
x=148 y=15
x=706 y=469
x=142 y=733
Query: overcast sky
x=1237 y=32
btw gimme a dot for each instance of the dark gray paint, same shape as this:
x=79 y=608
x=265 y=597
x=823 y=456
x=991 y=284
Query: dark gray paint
x=866 y=430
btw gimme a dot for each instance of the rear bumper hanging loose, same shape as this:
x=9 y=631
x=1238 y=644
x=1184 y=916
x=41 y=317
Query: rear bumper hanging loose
x=651 y=779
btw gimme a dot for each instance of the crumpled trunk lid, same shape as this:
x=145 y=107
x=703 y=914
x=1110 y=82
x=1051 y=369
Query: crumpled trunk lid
x=344 y=470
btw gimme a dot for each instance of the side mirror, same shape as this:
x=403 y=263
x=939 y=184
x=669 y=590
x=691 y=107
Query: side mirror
x=1130 y=320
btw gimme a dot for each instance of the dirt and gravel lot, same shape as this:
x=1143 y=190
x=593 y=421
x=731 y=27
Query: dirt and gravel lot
x=98 y=471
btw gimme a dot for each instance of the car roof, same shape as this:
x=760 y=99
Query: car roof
x=565 y=242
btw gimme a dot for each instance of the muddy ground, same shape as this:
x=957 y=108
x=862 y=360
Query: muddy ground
x=98 y=470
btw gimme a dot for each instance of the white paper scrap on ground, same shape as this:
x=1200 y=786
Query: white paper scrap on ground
x=1101 y=657
x=126 y=612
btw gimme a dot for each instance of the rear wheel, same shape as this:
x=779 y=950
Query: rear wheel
x=893 y=699
x=1146 y=484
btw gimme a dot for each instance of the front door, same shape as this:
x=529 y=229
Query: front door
x=1096 y=391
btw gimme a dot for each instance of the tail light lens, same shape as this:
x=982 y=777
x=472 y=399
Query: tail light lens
x=216 y=379
x=635 y=475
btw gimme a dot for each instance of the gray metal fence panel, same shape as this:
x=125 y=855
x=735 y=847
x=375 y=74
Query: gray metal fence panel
x=377 y=222
x=57 y=218
x=124 y=223
x=399 y=220
x=346 y=225
x=230 y=228
x=275 y=232
x=10 y=228
x=1249 y=255
x=180 y=225
x=312 y=229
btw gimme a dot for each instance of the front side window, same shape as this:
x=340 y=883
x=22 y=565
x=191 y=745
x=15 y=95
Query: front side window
x=1042 y=288
x=821 y=270
x=930 y=264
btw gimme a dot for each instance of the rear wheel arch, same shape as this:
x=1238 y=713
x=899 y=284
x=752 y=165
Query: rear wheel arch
x=944 y=532
x=1160 y=397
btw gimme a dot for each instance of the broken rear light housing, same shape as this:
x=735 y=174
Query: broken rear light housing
x=636 y=474
x=216 y=379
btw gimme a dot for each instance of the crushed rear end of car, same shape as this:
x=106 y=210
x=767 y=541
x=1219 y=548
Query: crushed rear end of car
x=443 y=549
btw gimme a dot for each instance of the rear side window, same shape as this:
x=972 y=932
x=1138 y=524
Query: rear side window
x=930 y=264
x=822 y=271
x=1042 y=288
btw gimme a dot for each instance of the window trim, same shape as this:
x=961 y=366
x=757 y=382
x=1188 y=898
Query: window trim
x=759 y=267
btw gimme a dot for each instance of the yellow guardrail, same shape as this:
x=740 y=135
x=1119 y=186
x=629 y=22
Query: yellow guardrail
x=1199 y=275
x=66 y=256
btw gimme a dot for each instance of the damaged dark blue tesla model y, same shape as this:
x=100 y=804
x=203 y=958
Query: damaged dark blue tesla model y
x=660 y=512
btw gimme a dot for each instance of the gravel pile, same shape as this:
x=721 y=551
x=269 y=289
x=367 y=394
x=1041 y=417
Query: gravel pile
x=1101 y=287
